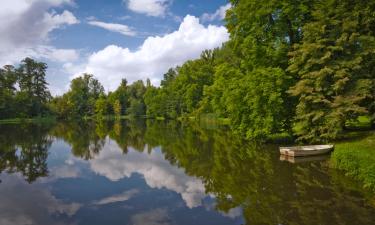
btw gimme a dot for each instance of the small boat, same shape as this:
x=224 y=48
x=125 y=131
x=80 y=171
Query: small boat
x=310 y=150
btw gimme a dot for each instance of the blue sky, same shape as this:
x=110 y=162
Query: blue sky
x=112 y=39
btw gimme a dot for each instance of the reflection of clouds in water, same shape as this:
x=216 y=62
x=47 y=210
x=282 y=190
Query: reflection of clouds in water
x=153 y=217
x=117 y=198
x=64 y=171
x=157 y=171
x=233 y=213
x=24 y=204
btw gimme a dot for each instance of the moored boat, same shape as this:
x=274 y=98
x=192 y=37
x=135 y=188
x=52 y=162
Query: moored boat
x=310 y=150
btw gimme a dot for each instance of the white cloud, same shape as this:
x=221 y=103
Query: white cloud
x=156 y=8
x=115 y=27
x=63 y=55
x=117 y=198
x=157 y=172
x=40 y=52
x=218 y=15
x=54 y=20
x=25 y=204
x=156 y=55
x=25 y=26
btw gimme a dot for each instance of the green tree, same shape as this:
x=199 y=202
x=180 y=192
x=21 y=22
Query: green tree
x=83 y=93
x=101 y=106
x=262 y=34
x=122 y=95
x=117 y=108
x=335 y=65
x=136 y=93
x=34 y=93
x=8 y=78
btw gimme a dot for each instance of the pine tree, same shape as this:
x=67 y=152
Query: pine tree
x=335 y=65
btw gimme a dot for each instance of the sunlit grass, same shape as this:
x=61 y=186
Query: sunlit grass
x=357 y=159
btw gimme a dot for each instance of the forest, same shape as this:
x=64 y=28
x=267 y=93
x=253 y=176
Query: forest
x=301 y=68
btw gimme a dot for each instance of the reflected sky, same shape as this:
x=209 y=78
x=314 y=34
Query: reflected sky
x=139 y=187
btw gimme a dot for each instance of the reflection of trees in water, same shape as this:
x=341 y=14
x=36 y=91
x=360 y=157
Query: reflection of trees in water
x=24 y=149
x=250 y=176
x=86 y=139
x=238 y=173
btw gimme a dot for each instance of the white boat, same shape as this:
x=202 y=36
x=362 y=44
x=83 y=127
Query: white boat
x=310 y=150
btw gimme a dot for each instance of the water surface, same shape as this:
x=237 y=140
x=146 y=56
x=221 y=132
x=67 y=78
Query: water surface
x=165 y=173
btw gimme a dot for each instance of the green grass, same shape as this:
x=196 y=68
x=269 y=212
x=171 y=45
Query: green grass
x=361 y=123
x=357 y=158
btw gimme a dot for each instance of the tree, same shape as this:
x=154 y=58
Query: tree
x=335 y=63
x=122 y=95
x=8 y=78
x=34 y=93
x=101 y=106
x=250 y=87
x=136 y=93
x=117 y=108
x=83 y=93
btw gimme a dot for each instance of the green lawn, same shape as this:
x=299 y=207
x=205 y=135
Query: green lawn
x=357 y=158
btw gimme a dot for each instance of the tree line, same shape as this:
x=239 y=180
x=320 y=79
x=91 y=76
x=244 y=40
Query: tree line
x=300 y=67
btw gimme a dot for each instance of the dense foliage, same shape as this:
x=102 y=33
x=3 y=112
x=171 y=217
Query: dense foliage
x=303 y=68
x=23 y=90
x=335 y=67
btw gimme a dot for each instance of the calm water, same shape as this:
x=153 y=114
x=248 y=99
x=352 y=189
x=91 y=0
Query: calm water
x=164 y=173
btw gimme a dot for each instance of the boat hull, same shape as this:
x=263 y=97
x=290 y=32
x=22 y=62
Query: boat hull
x=302 y=151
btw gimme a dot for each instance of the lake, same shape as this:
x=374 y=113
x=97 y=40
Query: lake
x=150 y=172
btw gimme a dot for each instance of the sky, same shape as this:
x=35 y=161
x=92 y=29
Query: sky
x=111 y=39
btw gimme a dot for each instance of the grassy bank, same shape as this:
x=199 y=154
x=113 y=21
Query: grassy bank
x=357 y=158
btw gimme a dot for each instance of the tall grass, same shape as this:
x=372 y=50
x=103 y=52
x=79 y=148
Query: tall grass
x=357 y=159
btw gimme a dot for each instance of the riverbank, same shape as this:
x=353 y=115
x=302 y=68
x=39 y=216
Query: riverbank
x=357 y=158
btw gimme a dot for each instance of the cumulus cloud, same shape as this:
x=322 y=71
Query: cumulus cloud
x=218 y=15
x=157 y=172
x=114 y=27
x=156 y=55
x=156 y=8
x=25 y=25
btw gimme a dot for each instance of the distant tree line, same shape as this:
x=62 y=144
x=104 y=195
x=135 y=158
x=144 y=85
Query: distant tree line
x=86 y=98
x=300 y=67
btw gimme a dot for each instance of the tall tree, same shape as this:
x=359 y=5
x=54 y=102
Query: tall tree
x=251 y=87
x=34 y=93
x=8 y=78
x=136 y=93
x=335 y=64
